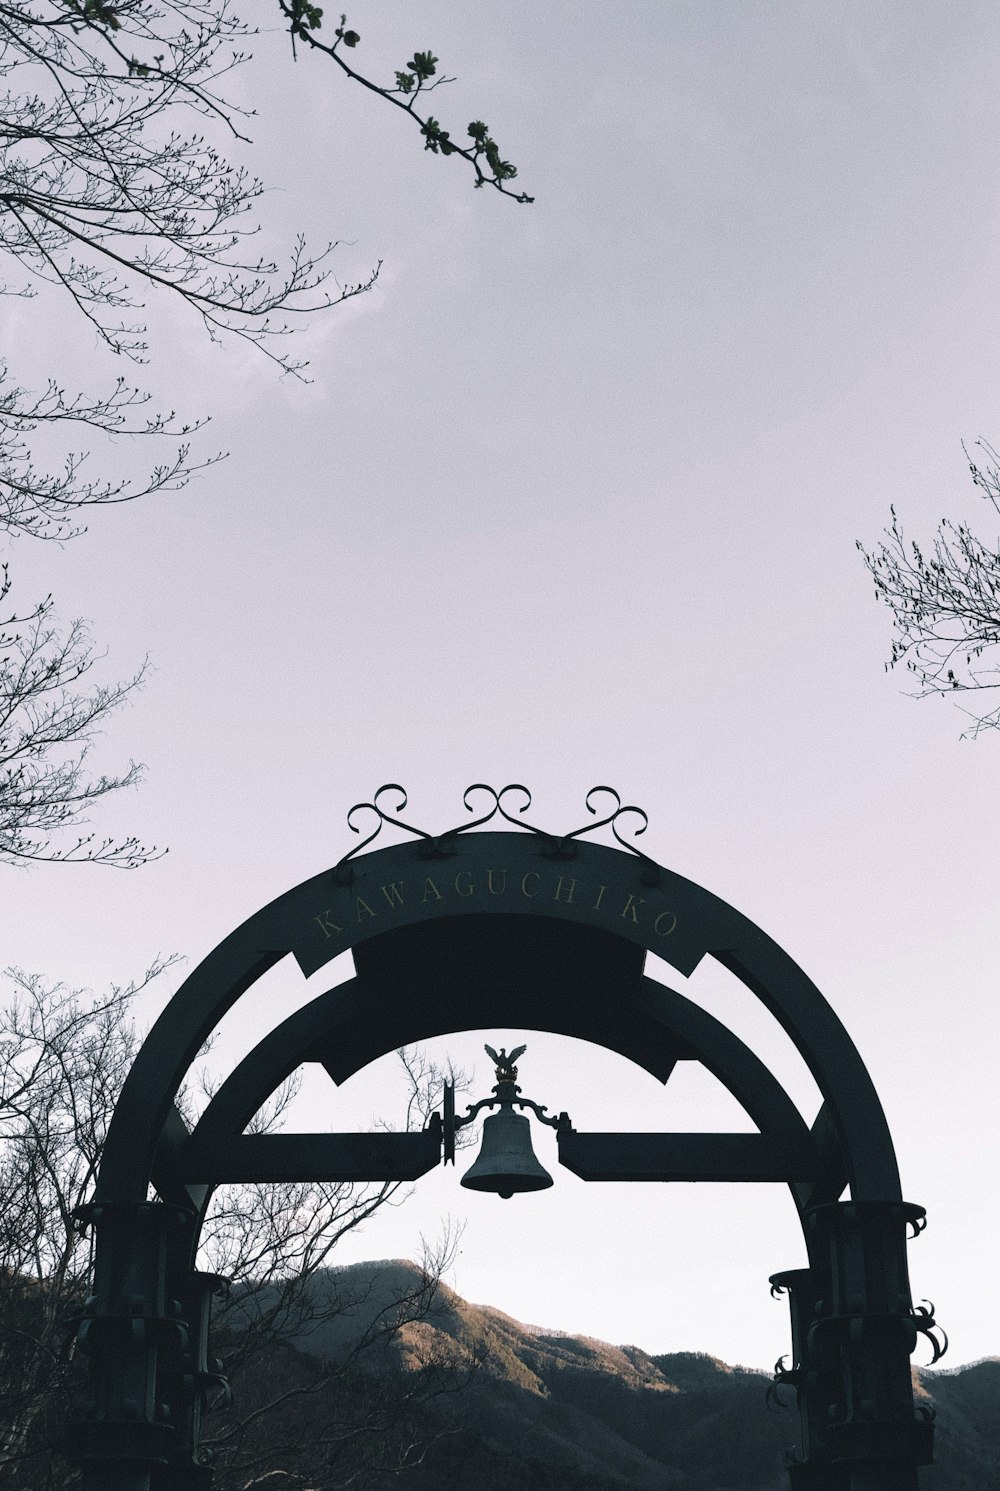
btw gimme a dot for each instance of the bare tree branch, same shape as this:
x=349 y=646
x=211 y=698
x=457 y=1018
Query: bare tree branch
x=48 y=721
x=418 y=77
x=945 y=602
x=63 y=1056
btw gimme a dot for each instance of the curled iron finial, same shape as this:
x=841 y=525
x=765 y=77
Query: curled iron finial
x=498 y=807
x=617 y=812
x=923 y=1317
x=381 y=816
x=783 y=1377
x=511 y=811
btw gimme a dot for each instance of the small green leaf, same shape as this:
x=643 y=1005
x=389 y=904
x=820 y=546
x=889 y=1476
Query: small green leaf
x=436 y=138
x=424 y=64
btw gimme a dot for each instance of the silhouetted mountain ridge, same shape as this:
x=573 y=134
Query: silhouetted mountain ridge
x=563 y=1412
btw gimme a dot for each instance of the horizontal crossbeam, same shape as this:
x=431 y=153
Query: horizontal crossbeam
x=310 y=1157
x=759 y=1157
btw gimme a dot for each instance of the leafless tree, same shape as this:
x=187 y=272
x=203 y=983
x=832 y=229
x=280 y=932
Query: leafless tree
x=60 y=1067
x=945 y=602
x=48 y=720
x=115 y=189
x=114 y=186
x=63 y=1055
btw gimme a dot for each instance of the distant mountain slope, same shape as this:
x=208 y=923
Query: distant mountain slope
x=560 y=1412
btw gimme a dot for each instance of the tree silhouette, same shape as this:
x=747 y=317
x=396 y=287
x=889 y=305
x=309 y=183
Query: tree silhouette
x=63 y=1057
x=945 y=602
x=115 y=190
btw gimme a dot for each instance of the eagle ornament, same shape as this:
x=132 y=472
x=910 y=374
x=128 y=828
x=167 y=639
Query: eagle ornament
x=506 y=1070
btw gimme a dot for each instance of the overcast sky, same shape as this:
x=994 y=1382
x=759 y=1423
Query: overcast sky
x=573 y=498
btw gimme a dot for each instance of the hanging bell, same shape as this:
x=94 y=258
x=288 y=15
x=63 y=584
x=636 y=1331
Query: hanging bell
x=506 y=1160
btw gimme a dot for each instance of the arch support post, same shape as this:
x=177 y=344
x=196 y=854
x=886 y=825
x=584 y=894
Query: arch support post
x=853 y=1330
x=144 y=1332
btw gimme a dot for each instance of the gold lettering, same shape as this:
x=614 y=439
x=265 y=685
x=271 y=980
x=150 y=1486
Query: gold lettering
x=429 y=888
x=559 y=885
x=328 y=925
x=393 y=893
x=630 y=906
x=673 y=924
x=600 y=898
x=362 y=905
x=531 y=875
x=466 y=887
x=489 y=881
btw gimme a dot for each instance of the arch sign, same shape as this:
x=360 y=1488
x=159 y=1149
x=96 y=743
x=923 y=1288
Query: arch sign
x=516 y=928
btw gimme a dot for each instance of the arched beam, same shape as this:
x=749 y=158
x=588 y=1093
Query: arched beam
x=513 y=875
x=218 y=1150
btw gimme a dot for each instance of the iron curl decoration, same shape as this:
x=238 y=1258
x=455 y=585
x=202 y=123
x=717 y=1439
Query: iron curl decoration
x=498 y=807
x=784 y=1376
x=499 y=804
x=343 y=869
x=612 y=819
x=923 y=1319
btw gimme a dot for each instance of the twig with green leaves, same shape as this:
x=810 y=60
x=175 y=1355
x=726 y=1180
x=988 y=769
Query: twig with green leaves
x=419 y=76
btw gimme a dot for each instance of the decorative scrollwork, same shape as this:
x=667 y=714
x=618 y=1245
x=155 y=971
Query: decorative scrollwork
x=923 y=1317
x=342 y=870
x=498 y=807
x=499 y=803
x=784 y=1376
x=611 y=819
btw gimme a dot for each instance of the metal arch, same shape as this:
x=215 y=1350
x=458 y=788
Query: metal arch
x=701 y=924
x=672 y=1019
x=853 y=1321
x=672 y=1023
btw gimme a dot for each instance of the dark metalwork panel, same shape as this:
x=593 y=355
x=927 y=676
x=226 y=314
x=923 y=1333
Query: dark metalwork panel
x=527 y=929
x=657 y=1020
x=526 y=972
x=282 y=1050
x=313 y=1157
x=849 y=1094
x=139 y=1333
x=419 y=987
x=667 y=1157
x=168 y=1180
x=853 y=1330
x=728 y=1058
x=147 y=1096
x=831 y=1172
x=484 y=874
x=508 y=874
